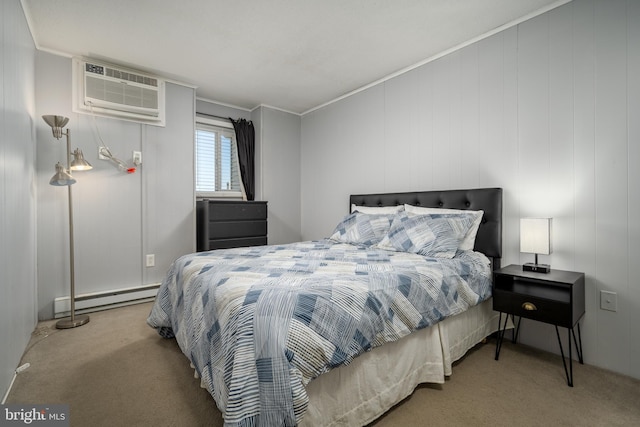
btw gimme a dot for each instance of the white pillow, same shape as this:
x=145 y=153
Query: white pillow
x=469 y=240
x=377 y=210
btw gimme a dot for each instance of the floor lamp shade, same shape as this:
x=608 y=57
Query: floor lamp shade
x=79 y=163
x=63 y=177
x=56 y=123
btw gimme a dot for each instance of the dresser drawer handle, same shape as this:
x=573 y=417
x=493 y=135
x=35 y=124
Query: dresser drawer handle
x=529 y=306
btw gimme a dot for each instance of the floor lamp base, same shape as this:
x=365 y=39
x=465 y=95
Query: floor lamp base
x=78 y=320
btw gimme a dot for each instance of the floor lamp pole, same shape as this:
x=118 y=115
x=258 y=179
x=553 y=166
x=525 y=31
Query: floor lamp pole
x=80 y=319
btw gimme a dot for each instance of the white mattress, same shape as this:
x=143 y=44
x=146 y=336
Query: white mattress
x=357 y=394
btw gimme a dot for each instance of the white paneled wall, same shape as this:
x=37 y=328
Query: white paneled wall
x=611 y=173
x=17 y=193
x=633 y=101
x=277 y=171
x=547 y=110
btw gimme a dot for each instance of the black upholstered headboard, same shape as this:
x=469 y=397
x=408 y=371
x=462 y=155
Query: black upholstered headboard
x=489 y=238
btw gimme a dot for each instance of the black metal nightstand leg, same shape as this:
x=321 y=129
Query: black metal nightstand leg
x=569 y=372
x=501 y=331
x=516 y=331
x=578 y=344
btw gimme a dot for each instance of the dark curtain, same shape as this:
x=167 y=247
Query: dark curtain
x=246 y=142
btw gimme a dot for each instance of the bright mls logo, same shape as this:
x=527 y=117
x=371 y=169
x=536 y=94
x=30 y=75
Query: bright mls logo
x=36 y=415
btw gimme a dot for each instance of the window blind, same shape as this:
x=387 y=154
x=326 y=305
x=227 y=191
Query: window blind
x=217 y=171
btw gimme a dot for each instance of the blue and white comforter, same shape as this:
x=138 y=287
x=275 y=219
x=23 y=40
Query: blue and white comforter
x=259 y=323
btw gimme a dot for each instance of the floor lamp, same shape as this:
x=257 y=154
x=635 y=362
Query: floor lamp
x=63 y=177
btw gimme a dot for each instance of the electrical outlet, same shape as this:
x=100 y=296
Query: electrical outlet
x=608 y=301
x=137 y=158
x=151 y=260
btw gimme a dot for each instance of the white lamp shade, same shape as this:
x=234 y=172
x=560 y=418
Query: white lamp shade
x=535 y=235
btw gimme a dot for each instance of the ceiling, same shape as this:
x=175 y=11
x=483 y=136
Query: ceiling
x=294 y=55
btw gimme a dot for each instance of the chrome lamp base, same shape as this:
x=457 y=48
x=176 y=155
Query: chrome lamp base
x=74 y=322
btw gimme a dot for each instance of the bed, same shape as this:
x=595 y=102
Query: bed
x=312 y=333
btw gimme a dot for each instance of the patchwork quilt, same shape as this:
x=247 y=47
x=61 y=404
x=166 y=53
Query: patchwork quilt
x=259 y=323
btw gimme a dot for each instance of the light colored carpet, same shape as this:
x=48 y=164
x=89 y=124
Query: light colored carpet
x=116 y=371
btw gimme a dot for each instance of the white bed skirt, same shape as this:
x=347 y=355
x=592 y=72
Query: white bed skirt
x=374 y=382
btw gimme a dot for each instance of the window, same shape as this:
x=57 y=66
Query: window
x=217 y=171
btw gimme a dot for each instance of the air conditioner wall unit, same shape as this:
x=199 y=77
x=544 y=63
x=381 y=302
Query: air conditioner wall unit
x=113 y=91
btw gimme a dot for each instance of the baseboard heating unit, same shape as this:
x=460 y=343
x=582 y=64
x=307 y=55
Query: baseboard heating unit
x=105 y=300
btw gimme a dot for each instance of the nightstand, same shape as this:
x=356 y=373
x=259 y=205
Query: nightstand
x=556 y=298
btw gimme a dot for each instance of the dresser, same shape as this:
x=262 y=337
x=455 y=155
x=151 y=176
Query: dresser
x=222 y=224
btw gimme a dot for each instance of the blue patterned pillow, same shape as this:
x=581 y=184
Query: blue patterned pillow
x=362 y=229
x=469 y=241
x=428 y=235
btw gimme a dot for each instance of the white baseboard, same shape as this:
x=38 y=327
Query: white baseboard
x=104 y=300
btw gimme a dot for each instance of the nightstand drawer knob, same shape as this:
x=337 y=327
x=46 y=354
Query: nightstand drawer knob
x=529 y=306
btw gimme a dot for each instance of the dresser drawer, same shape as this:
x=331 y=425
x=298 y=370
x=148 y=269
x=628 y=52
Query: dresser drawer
x=236 y=243
x=236 y=211
x=231 y=229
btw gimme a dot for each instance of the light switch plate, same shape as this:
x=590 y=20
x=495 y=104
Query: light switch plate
x=608 y=301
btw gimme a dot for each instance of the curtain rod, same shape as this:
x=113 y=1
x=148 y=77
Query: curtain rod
x=213 y=115
x=229 y=119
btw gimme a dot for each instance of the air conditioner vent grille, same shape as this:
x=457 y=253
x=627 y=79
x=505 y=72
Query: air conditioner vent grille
x=120 y=94
x=123 y=75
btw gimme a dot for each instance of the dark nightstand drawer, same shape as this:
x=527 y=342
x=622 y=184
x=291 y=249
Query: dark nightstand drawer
x=534 y=308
